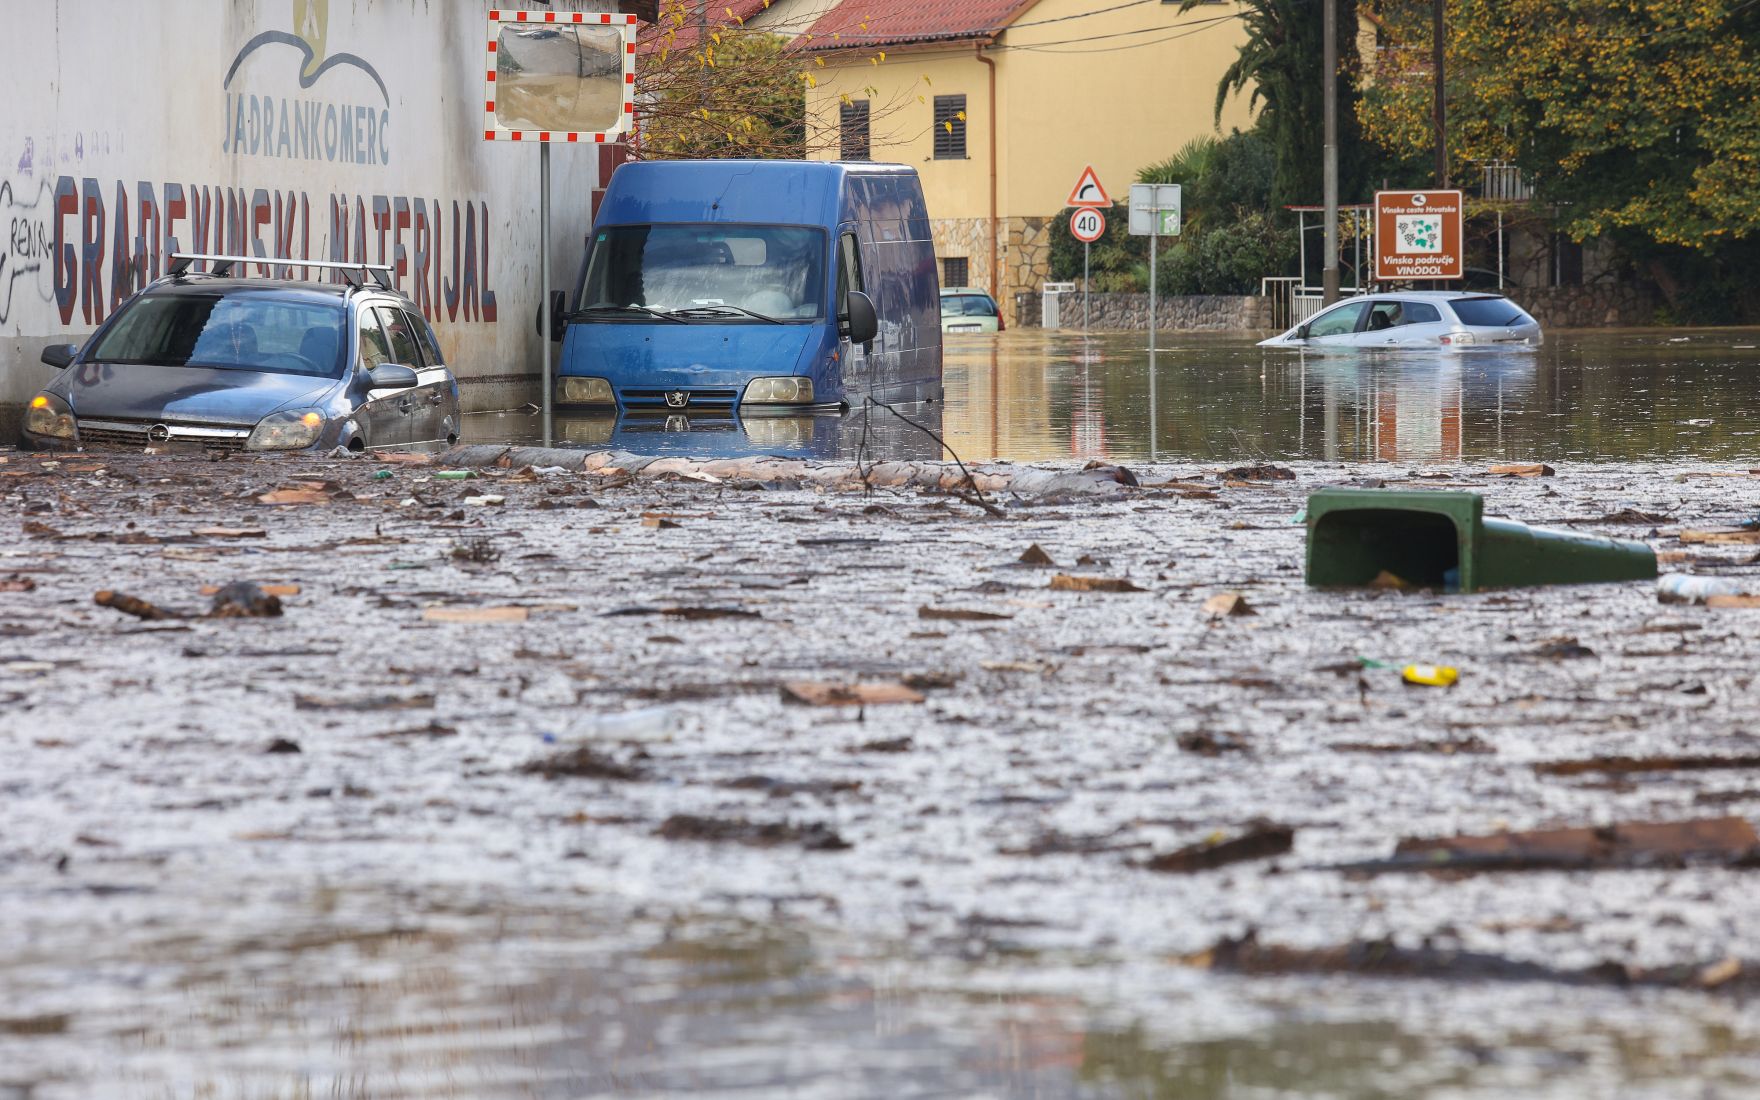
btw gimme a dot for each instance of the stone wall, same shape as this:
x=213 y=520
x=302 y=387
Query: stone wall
x=1597 y=306
x=1178 y=313
x=965 y=237
x=1026 y=263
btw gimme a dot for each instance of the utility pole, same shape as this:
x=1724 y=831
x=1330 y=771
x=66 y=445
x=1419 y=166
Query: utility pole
x=1439 y=107
x=1329 y=67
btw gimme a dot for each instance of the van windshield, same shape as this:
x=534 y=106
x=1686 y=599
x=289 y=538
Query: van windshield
x=710 y=272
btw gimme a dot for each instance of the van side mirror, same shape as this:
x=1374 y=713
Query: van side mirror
x=391 y=376
x=557 y=325
x=863 y=323
x=60 y=355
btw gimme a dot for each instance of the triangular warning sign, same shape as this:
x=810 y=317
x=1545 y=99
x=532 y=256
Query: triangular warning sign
x=1087 y=191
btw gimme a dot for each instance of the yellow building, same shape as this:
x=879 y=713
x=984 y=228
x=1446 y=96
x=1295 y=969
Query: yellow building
x=1000 y=103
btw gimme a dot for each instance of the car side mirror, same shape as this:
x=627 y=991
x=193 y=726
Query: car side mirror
x=864 y=323
x=1301 y=332
x=391 y=376
x=60 y=355
x=558 y=326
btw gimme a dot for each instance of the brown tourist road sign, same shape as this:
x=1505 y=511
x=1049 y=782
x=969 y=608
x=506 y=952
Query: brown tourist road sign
x=1418 y=236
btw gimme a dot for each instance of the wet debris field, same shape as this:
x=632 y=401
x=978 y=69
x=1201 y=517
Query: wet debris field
x=332 y=777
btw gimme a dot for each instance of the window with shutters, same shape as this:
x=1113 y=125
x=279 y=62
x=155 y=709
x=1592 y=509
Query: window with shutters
x=950 y=127
x=953 y=271
x=854 y=132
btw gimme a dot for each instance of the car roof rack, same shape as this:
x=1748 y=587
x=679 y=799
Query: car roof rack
x=221 y=266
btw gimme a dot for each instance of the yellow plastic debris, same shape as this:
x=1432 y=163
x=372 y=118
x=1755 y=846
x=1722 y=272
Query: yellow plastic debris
x=1440 y=676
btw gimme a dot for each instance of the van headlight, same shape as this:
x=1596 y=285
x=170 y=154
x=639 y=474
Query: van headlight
x=779 y=391
x=584 y=391
x=49 y=415
x=287 y=431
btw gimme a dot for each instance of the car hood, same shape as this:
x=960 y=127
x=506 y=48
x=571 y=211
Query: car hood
x=684 y=356
x=202 y=395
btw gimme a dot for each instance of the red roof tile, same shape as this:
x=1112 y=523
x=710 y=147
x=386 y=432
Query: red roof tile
x=716 y=14
x=858 y=23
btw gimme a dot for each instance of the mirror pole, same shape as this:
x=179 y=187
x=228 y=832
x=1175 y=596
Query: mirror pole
x=544 y=269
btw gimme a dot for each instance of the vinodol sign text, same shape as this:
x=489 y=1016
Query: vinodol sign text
x=324 y=129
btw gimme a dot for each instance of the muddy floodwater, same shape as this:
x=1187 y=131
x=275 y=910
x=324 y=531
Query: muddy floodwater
x=1038 y=396
x=609 y=777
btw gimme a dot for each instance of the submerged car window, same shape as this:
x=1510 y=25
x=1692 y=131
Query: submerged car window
x=1337 y=322
x=968 y=305
x=425 y=338
x=775 y=270
x=1495 y=312
x=403 y=342
x=1386 y=315
x=374 y=349
x=232 y=332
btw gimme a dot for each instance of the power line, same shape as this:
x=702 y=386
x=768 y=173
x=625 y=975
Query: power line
x=1185 y=29
x=1185 y=32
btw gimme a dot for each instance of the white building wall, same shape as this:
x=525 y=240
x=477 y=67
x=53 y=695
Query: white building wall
x=135 y=129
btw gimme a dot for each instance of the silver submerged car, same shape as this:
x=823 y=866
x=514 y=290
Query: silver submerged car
x=217 y=360
x=1415 y=318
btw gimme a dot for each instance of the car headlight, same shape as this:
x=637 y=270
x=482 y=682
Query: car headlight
x=584 y=391
x=49 y=415
x=779 y=391
x=287 y=431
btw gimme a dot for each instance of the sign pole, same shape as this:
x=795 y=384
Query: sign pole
x=1085 y=247
x=544 y=269
x=1154 y=247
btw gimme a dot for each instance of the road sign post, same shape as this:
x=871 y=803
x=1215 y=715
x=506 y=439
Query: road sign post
x=1155 y=209
x=557 y=76
x=1418 y=235
x=1087 y=224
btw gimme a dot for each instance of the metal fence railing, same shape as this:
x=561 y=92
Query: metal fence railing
x=1504 y=183
x=1282 y=292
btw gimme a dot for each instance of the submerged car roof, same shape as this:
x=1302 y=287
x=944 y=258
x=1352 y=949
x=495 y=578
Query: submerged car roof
x=1438 y=295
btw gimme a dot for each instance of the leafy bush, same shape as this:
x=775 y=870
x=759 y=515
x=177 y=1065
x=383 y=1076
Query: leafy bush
x=1229 y=258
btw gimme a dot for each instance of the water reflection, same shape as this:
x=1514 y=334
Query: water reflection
x=485 y=1001
x=1034 y=396
x=903 y=431
x=1583 y=396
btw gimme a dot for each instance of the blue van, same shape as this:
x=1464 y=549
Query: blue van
x=733 y=287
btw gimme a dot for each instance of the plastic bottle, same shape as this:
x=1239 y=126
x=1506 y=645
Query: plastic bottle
x=647 y=724
x=1685 y=588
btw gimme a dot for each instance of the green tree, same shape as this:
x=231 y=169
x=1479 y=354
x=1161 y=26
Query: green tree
x=1280 y=67
x=1639 y=119
x=738 y=93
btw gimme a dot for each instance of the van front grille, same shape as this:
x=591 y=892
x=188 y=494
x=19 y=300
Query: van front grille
x=711 y=397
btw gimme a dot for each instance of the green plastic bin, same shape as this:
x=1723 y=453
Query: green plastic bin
x=1419 y=536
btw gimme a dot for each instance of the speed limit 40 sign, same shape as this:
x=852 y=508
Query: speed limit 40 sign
x=1087 y=224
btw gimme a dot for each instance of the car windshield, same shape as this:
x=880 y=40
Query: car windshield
x=968 y=305
x=1494 y=312
x=232 y=332
x=777 y=271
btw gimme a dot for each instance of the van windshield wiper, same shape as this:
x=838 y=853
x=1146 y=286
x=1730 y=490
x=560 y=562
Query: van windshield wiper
x=722 y=311
x=607 y=308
